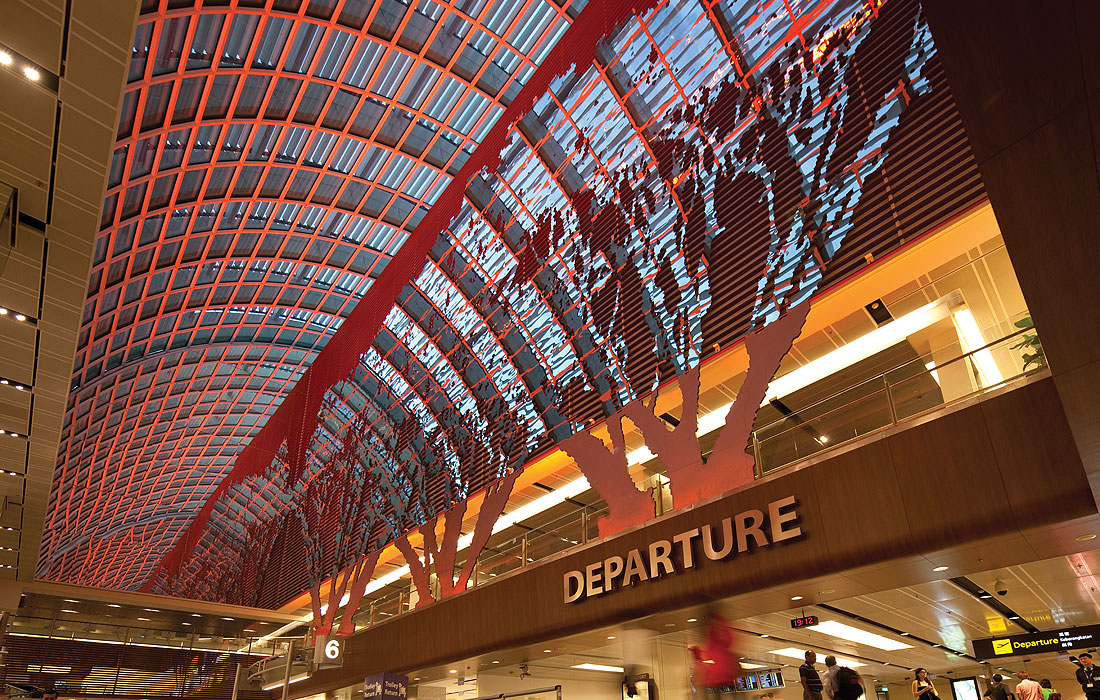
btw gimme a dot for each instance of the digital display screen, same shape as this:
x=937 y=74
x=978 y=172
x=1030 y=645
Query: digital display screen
x=808 y=621
x=770 y=679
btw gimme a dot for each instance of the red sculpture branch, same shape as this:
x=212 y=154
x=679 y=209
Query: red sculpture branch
x=441 y=557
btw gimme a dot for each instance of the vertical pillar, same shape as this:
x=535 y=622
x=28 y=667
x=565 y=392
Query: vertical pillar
x=1026 y=79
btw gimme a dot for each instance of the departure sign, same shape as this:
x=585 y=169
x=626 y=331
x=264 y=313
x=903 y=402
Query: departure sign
x=808 y=621
x=1054 y=640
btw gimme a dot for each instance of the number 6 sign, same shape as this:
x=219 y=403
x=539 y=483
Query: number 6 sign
x=328 y=652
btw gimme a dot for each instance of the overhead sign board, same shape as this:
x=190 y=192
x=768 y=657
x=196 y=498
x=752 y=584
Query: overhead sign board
x=328 y=652
x=385 y=686
x=1053 y=640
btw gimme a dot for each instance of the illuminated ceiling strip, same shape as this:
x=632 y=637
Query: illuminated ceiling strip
x=859 y=636
x=599 y=667
x=971 y=338
x=279 y=684
x=794 y=653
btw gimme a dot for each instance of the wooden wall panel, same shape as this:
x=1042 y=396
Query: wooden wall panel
x=861 y=512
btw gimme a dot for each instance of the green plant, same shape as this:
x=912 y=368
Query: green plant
x=1029 y=343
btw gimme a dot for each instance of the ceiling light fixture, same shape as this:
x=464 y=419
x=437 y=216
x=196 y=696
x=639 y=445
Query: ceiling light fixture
x=113 y=605
x=599 y=667
x=611 y=637
x=69 y=611
x=693 y=619
x=547 y=651
x=31 y=74
x=971 y=338
x=5 y=58
x=854 y=634
x=749 y=667
x=1084 y=538
x=796 y=653
x=453 y=670
x=796 y=597
x=939 y=568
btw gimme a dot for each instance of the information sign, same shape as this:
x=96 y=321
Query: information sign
x=1053 y=640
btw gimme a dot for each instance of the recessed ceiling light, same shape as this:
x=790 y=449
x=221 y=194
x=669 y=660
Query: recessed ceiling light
x=670 y=624
x=415 y=679
x=854 y=634
x=611 y=637
x=496 y=662
x=113 y=605
x=195 y=615
x=69 y=611
x=1082 y=538
x=939 y=568
x=151 y=610
x=32 y=74
x=764 y=636
x=144 y=619
x=5 y=58
x=453 y=670
x=547 y=651
x=186 y=623
x=70 y=600
x=796 y=597
x=599 y=667
x=794 y=653
x=228 y=619
x=984 y=595
x=1014 y=617
x=692 y=619
x=823 y=439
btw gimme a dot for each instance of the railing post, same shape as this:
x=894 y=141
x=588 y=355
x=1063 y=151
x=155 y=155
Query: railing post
x=523 y=551
x=758 y=465
x=584 y=524
x=890 y=400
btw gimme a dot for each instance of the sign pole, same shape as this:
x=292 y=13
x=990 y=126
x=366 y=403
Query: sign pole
x=286 y=670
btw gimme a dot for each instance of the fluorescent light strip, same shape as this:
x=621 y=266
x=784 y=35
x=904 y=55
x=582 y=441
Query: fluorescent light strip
x=854 y=634
x=131 y=644
x=971 y=338
x=279 y=684
x=599 y=667
x=794 y=653
x=748 y=667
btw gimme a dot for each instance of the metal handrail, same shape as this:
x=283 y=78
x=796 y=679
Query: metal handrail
x=585 y=515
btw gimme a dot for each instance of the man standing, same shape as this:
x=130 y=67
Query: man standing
x=1089 y=677
x=1028 y=689
x=811 y=681
x=829 y=679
